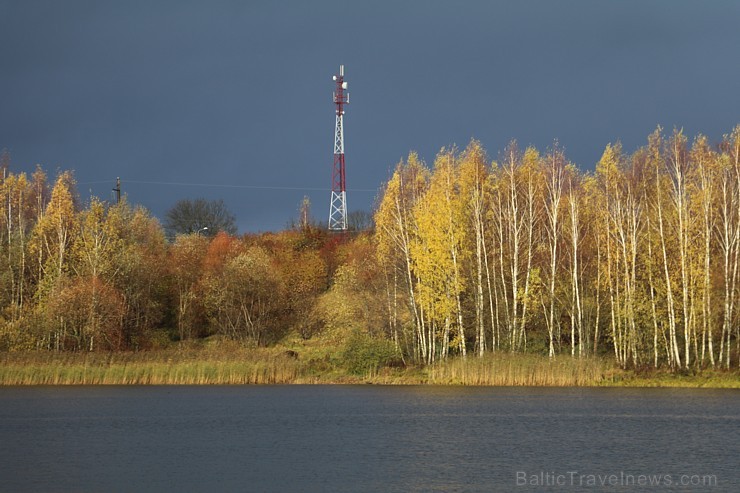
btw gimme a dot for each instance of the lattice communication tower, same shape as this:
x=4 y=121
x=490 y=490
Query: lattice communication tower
x=338 y=204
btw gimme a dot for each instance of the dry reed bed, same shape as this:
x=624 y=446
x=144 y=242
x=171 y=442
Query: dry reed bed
x=148 y=368
x=520 y=370
x=238 y=365
x=265 y=366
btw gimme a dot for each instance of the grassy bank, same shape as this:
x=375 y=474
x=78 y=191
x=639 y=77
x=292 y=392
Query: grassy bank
x=236 y=365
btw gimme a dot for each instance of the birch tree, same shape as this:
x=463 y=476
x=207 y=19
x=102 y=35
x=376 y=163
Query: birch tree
x=473 y=178
x=705 y=161
x=676 y=163
x=53 y=233
x=554 y=164
x=437 y=253
x=729 y=222
x=573 y=200
x=516 y=217
x=396 y=230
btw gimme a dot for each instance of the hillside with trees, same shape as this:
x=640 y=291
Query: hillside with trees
x=637 y=262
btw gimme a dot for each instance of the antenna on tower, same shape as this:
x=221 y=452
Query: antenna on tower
x=338 y=203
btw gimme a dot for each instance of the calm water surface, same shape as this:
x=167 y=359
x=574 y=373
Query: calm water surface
x=367 y=438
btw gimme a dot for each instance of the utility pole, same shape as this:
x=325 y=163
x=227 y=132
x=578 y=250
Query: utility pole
x=118 y=190
x=305 y=213
x=338 y=204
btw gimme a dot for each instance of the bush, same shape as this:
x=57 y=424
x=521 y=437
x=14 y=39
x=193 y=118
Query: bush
x=364 y=354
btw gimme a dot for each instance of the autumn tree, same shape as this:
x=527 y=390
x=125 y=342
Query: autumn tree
x=243 y=303
x=515 y=218
x=54 y=232
x=729 y=237
x=396 y=230
x=142 y=276
x=84 y=314
x=186 y=256
x=17 y=216
x=575 y=235
x=437 y=253
x=554 y=170
x=474 y=200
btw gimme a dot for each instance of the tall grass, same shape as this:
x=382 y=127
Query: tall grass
x=520 y=370
x=233 y=364
x=190 y=367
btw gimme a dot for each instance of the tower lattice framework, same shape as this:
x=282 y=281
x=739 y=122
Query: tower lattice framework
x=338 y=204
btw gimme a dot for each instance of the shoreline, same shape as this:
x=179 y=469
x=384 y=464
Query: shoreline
x=277 y=366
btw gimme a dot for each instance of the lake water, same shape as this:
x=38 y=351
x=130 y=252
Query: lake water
x=368 y=438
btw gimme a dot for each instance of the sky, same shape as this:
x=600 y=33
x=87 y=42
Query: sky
x=233 y=100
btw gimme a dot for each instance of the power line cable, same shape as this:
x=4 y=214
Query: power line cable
x=216 y=185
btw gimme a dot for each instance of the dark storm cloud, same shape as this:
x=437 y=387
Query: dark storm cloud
x=239 y=93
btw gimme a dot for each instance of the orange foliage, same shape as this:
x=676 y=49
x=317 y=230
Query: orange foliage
x=222 y=247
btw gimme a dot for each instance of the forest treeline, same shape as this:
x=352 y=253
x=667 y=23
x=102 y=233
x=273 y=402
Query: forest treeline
x=104 y=277
x=638 y=260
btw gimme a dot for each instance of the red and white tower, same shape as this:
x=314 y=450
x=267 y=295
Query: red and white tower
x=338 y=204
